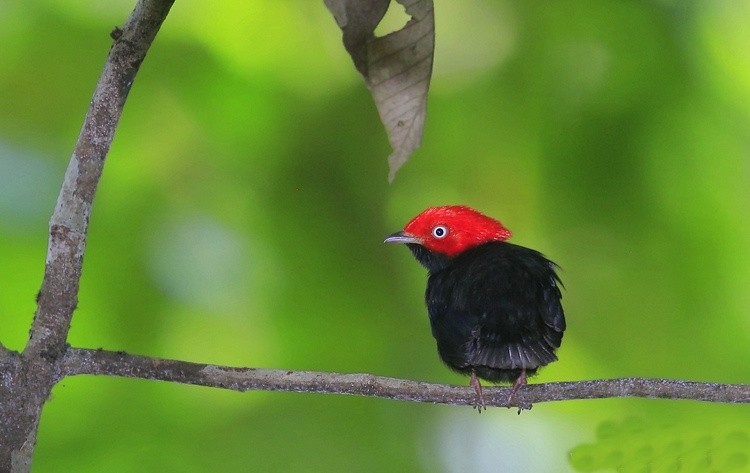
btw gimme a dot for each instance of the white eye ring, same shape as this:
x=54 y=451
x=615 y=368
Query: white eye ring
x=441 y=231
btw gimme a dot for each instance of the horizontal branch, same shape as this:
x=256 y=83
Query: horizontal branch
x=107 y=363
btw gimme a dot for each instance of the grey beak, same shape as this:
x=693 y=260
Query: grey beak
x=401 y=237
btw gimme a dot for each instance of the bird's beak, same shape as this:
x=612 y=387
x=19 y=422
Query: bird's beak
x=401 y=237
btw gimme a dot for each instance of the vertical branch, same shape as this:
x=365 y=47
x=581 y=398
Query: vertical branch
x=69 y=223
x=27 y=379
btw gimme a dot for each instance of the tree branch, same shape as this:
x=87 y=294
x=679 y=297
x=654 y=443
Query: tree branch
x=26 y=380
x=101 y=362
x=69 y=223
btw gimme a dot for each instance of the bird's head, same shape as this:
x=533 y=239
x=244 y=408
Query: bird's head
x=450 y=230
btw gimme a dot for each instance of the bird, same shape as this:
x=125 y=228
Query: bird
x=495 y=308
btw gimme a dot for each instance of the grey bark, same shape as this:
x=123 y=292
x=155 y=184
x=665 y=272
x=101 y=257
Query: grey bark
x=28 y=378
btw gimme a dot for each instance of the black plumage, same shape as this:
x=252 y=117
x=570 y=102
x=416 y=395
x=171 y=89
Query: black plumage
x=495 y=309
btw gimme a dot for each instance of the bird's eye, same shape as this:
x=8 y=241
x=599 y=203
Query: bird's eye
x=440 y=231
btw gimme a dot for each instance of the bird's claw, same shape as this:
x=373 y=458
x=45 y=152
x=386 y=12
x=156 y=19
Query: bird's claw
x=474 y=383
x=520 y=381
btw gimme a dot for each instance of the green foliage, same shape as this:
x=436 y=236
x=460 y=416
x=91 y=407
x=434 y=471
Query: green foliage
x=245 y=199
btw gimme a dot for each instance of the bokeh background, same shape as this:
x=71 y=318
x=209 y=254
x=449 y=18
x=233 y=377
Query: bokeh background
x=242 y=210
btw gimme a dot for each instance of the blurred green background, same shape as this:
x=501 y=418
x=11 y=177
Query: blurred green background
x=242 y=210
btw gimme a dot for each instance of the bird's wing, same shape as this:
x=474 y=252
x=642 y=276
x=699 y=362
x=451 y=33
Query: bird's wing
x=504 y=307
x=525 y=324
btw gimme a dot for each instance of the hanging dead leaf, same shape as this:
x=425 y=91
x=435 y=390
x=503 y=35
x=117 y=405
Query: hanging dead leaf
x=397 y=67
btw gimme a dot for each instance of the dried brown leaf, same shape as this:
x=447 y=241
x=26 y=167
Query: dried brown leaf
x=357 y=20
x=397 y=67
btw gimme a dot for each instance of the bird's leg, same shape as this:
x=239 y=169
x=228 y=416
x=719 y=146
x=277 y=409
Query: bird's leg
x=520 y=381
x=474 y=383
